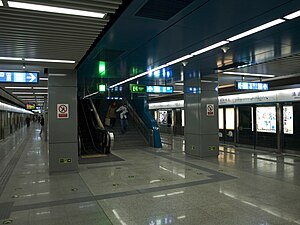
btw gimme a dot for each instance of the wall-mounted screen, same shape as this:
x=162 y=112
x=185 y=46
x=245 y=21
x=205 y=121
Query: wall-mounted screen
x=288 y=120
x=221 y=118
x=229 y=118
x=266 y=119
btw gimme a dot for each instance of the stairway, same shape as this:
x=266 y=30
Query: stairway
x=130 y=140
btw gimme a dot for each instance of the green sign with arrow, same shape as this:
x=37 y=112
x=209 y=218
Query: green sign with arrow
x=137 y=88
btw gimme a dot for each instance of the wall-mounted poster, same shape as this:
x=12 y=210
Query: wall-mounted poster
x=266 y=119
x=288 y=123
x=229 y=118
x=221 y=119
x=163 y=117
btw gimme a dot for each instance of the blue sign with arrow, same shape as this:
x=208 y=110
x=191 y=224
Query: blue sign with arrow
x=19 y=77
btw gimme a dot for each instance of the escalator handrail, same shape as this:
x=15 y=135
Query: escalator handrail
x=90 y=132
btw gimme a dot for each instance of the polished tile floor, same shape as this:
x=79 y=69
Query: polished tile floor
x=150 y=187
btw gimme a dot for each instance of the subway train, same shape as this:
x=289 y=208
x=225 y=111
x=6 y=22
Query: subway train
x=261 y=120
x=11 y=119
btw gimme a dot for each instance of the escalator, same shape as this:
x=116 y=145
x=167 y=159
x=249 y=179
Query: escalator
x=93 y=138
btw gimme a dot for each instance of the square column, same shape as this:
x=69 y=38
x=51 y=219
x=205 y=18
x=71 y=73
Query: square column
x=201 y=130
x=63 y=122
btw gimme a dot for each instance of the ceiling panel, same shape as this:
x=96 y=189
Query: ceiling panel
x=45 y=35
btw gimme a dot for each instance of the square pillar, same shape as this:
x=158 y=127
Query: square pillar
x=63 y=132
x=201 y=130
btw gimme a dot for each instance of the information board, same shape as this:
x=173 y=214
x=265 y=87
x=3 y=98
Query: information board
x=19 y=77
x=288 y=121
x=258 y=86
x=159 y=89
x=266 y=119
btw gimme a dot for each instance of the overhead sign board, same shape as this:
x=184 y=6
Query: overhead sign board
x=19 y=77
x=257 y=86
x=159 y=89
x=137 y=88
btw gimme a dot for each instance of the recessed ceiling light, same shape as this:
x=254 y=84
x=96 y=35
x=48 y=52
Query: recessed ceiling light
x=256 y=29
x=43 y=78
x=18 y=87
x=249 y=74
x=49 y=60
x=1 y=4
x=11 y=58
x=292 y=15
x=52 y=9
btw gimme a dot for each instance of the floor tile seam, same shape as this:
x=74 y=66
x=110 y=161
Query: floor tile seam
x=185 y=163
x=117 y=194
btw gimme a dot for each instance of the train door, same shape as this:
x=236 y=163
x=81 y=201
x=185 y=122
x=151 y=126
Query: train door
x=245 y=129
x=229 y=135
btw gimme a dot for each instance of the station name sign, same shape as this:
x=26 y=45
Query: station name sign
x=19 y=77
x=256 y=86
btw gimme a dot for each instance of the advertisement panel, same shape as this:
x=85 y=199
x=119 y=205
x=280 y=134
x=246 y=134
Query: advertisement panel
x=288 y=117
x=266 y=119
x=229 y=118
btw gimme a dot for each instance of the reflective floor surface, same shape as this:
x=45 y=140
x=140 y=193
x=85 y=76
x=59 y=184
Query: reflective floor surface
x=150 y=187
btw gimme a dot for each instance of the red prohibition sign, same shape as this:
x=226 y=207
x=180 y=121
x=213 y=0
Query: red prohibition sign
x=63 y=109
x=210 y=108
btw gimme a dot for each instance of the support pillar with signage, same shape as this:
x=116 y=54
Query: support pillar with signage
x=62 y=112
x=201 y=115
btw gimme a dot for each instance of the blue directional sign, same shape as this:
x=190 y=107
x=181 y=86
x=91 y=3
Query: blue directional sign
x=19 y=77
x=258 y=86
x=156 y=89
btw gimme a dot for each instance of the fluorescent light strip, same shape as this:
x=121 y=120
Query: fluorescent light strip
x=52 y=9
x=179 y=60
x=57 y=75
x=18 y=87
x=249 y=74
x=256 y=29
x=11 y=58
x=129 y=79
x=49 y=60
x=24 y=96
x=43 y=78
x=40 y=88
x=292 y=15
x=22 y=93
x=41 y=93
x=219 y=44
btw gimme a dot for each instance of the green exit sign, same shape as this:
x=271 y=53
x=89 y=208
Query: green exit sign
x=137 y=88
x=101 y=87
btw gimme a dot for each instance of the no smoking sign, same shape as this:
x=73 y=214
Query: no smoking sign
x=210 y=110
x=62 y=111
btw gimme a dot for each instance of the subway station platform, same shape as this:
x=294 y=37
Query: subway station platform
x=148 y=186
